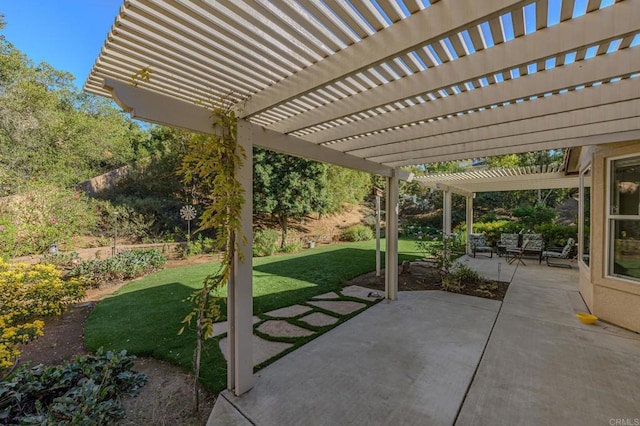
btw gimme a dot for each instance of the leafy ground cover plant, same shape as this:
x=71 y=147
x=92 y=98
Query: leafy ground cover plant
x=29 y=293
x=85 y=391
x=125 y=265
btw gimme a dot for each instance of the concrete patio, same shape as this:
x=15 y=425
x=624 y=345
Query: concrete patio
x=435 y=358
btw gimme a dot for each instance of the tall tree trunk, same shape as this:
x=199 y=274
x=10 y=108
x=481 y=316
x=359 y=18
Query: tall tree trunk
x=283 y=219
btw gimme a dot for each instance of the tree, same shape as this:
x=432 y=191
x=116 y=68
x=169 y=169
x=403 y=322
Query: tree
x=51 y=132
x=345 y=186
x=287 y=187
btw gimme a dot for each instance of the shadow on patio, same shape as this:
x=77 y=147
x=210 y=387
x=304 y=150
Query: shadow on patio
x=440 y=359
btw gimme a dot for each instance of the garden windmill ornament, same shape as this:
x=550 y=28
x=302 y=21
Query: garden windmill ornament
x=188 y=213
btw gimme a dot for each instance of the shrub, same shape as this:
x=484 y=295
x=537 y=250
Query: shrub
x=126 y=265
x=492 y=230
x=123 y=219
x=42 y=216
x=556 y=235
x=60 y=259
x=198 y=246
x=28 y=293
x=85 y=391
x=530 y=216
x=357 y=232
x=416 y=230
x=455 y=280
x=292 y=248
x=265 y=242
x=443 y=249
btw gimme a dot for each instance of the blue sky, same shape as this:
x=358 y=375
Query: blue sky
x=67 y=34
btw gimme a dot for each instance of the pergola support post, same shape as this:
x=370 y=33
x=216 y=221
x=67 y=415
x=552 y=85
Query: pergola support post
x=469 y=220
x=391 y=235
x=240 y=292
x=447 y=206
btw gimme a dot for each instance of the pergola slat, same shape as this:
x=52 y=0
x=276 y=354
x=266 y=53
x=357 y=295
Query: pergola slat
x=403 y=139
x=546 y=43
x=378 y=48
x=589 y=134
x=595 y=69
x=524 y=129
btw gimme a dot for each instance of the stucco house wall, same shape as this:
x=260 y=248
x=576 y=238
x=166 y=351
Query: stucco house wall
x=613 y=299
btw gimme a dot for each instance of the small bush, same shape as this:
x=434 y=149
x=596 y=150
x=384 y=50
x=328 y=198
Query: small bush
x=85 y=391
x=126 y=265
x=492 y=230
x=27 y=294
x=457 y=277
x=265 y=242
x=198 y=246
x=357 y=233
x=556 y=235
x=60 y=259
x=416 y=230
x=292 y=248
x=42 y=216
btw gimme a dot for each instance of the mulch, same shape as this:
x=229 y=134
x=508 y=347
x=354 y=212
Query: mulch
x=423 y=276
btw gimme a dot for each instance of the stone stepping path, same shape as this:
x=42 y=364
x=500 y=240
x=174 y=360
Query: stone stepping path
x=281 y=328
x=289 y=311
x=223 y=327
x=331 y=295
x=318 y=319
x=262 y=349
x=362 y=292
x=278 y=323
x=341 y=307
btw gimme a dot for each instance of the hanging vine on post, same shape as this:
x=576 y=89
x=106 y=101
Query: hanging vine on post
x=215 y=159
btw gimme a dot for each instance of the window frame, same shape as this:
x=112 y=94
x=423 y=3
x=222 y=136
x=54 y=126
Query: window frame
x=611 y=220
x=586 y=172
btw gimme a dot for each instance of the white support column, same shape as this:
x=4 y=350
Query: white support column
x=469 y=221
x=391 y=235
x=446 y=220
x=378 y=195
x=240 y=292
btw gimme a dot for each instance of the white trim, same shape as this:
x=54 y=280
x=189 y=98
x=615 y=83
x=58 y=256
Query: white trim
x=609 y=220
x=157 y=108
x=581 y=216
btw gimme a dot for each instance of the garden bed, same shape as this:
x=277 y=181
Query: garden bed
x=424 y=276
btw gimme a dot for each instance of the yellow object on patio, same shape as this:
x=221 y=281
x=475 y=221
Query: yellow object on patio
x=586 y=318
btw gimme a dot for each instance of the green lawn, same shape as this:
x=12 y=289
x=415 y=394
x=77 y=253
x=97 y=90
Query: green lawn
x=144 y=316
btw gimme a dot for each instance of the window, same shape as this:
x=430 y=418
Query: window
x=585 y=215
x=624 y=218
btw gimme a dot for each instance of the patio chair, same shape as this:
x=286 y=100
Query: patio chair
x=479 y=245
x=515 y=254
x=535 y=245
x=507 y=242
x=559 y=253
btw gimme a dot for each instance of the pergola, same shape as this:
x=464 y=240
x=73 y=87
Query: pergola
x=377 y=85
x=469 y=183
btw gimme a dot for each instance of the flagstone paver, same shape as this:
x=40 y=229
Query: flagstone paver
x=262 y=349
x=281 y=328
x=342 y=307
x=332 y=295
x=318 y=319
x=361 y=292
x=289 y=311
x=223 y=327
